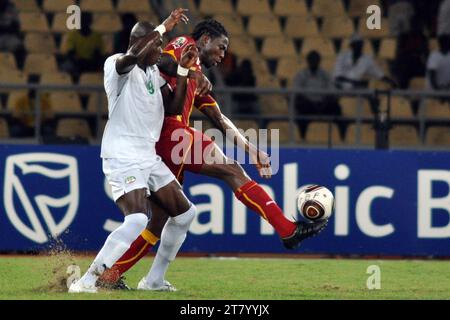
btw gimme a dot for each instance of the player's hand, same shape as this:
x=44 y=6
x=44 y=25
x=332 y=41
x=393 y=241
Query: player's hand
x=189 y=56
x=262 y=162
x=204 y=86
x=175 y=17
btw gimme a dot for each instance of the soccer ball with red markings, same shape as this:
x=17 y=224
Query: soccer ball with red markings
x=315 y=202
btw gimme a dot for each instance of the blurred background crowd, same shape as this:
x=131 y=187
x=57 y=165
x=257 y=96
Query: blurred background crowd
x=321 y=45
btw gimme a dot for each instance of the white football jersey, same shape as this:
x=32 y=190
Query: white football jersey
x=135 y=112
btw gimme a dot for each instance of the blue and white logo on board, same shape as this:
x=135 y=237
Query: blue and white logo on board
x=38 y=215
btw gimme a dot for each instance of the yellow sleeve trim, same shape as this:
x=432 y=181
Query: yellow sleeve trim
x=172 y=53
x=149 y=237
x=206 y=105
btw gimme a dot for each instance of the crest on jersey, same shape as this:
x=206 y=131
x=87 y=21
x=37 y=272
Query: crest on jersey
x=32 y=212
x=178 y=43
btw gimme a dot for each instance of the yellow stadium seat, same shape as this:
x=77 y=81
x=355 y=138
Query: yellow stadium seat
x=106 y=22
x=96 y=5
x=70 y=128
x=264 y=25
x=337 y=27
x=283 y=128
x=59 y=23
x=58 y=6
x=272 y=104
x=4 y=129
x=252 y=7
x=400 y=107
x=56 y=78
x=232 y=23
x=212 y=7
x=403 y=135
x=26 y=5
x=358 y=8
x=12 y=77
x=417 y=83
x=318 y=133
x=375 y=33
x=65 y=102
x=40 y=43
x=7 y=61
x=301 y=27
x=438 y=136
x=288 y=67
x=133 y=6
x=290 y=8
x=243 y=47
x=33 y=22
x=188 y=4
x=327 y=8
x=91 y=79
x=39 y=63
x=261 y=68
x=322 y=45
x=355 y=107
x=93 y=103
x=366 y=135
x=435 y=109
x=277 y=47
x=148 y=16
x=388 y=49
x=368 y=49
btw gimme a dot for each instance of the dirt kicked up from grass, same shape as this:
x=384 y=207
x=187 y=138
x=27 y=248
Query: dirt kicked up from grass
x=45 y=277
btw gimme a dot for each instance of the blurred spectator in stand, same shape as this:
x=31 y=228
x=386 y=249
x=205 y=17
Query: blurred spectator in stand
x=411 y=56
x=438 y=66
x=24 y=116
x=10 y=36
x=443 y=23
x=400 y=14
x=84 y=49
x=314 y=77
x=243 y=76
x=122 y=37
x=353 y=66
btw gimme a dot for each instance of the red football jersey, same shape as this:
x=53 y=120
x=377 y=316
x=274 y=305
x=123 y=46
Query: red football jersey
x=175 y=48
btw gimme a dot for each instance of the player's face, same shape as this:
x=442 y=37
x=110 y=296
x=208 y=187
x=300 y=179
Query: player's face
x=154 y=53
x=214 y=51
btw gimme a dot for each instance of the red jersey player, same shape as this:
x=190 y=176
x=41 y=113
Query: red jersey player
x=211 y=39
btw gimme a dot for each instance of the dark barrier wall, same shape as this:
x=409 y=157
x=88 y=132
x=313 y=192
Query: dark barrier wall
x=387 y=202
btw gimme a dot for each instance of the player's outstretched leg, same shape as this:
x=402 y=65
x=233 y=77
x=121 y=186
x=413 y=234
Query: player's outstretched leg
x=118 y=242
x=253 y=196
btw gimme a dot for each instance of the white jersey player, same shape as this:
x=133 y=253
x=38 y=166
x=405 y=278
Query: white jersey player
x=135 y=93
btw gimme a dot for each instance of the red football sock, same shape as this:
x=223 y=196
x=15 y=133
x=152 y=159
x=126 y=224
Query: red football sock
x=254 y=197
x=138 y=249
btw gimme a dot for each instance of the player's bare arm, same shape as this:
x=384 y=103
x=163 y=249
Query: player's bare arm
x=174 y=102
x=221 y=122
x=140 y=48
x=168 y=65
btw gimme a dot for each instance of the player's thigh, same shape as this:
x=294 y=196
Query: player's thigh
x=172 y=199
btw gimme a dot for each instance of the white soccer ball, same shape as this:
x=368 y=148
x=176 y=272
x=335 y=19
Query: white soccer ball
x=315 y=202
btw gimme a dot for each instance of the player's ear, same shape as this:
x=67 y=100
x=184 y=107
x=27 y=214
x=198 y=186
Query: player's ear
x=205 y=39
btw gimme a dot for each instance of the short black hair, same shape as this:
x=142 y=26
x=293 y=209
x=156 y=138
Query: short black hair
x=210 y=27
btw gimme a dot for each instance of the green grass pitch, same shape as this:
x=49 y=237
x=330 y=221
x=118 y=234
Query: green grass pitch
x=43 y=277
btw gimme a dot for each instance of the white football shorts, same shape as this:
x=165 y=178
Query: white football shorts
x=126 y=175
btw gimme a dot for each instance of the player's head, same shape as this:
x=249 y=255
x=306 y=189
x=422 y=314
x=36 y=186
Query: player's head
x=140 y=30
x=212 y=41
x=313 y=59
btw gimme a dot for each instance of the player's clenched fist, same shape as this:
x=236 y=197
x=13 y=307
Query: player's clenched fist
x=189 y=56
x=175 y=17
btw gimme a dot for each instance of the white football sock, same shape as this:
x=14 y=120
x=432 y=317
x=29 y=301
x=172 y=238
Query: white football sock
x=115 y=246
x=172 y=237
